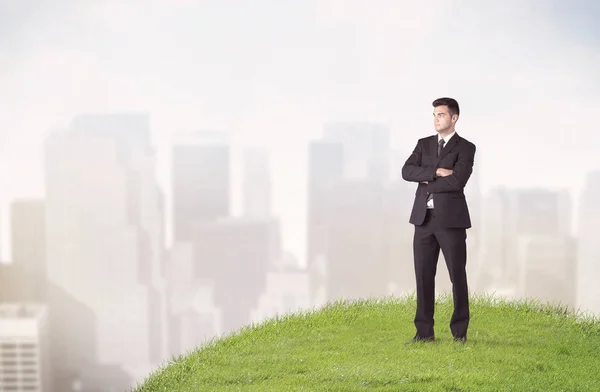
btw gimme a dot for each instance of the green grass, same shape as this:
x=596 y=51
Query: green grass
x=360 y=345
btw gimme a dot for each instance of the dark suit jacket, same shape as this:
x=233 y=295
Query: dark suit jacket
x=449 y=200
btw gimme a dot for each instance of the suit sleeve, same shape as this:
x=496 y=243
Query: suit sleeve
x=412 y=169
x=460 y=174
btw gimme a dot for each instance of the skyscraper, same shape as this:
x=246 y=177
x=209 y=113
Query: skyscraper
x=28 y=244
x=256 y=183
x=201 y=181
x=235 y=254
x=513 y=215
x=366 y=148
x=348 y=171
x=24 y=355
x=325 y=170
x=588 y=246
x=104 y=244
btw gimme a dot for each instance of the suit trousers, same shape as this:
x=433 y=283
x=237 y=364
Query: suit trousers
x=429 y=238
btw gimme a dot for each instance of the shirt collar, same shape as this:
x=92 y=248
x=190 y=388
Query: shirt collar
x=447 y=138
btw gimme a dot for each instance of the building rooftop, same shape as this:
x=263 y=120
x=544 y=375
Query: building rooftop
x=21 y=310
x=20 y=321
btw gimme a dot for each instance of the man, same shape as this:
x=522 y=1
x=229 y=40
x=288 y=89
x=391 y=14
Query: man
x=441 y=165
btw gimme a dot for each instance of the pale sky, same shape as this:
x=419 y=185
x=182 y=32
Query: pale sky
x=272 y=72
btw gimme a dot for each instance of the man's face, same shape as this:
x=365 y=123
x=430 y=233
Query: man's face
x=442 y=120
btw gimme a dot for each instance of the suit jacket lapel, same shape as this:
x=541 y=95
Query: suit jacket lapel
x=433 y=147
x=448 y=147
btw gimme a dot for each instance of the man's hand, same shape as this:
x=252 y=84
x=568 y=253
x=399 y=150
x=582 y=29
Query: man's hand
x=440 y=172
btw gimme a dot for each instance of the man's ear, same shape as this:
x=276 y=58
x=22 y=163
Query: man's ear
x=454 y=117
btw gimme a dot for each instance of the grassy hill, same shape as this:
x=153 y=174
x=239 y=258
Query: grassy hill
x=360 y=345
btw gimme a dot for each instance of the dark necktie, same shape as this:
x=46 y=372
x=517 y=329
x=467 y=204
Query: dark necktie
x=440 y=147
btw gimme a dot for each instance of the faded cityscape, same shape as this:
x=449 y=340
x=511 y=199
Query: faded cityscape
x=174 y=171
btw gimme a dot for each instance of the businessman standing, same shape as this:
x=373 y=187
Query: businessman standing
x=441 y=165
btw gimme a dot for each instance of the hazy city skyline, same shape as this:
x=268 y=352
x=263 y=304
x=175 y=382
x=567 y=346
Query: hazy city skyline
x=173 y=170
x=273 y=73
x=227 y=272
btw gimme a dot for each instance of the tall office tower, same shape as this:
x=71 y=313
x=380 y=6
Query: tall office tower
x=201 y=178
x=359 y=240
x=495 y=237
x=366 y=148
x=201 y=183
x=588 y=257
x=28 y=243
x=325 y=170
x=193 y=315
x=24 y=355
x=72 y=347
x=397 y=204
x=234 y=255
x=355 y=158
x=539 y=211
x=16 y=284
x=256 y=183
x=547 y=268
x=474 y=234
x=514 y=214
x=104 y=245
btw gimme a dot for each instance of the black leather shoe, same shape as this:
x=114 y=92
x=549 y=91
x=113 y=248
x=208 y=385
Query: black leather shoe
x=417 y=339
